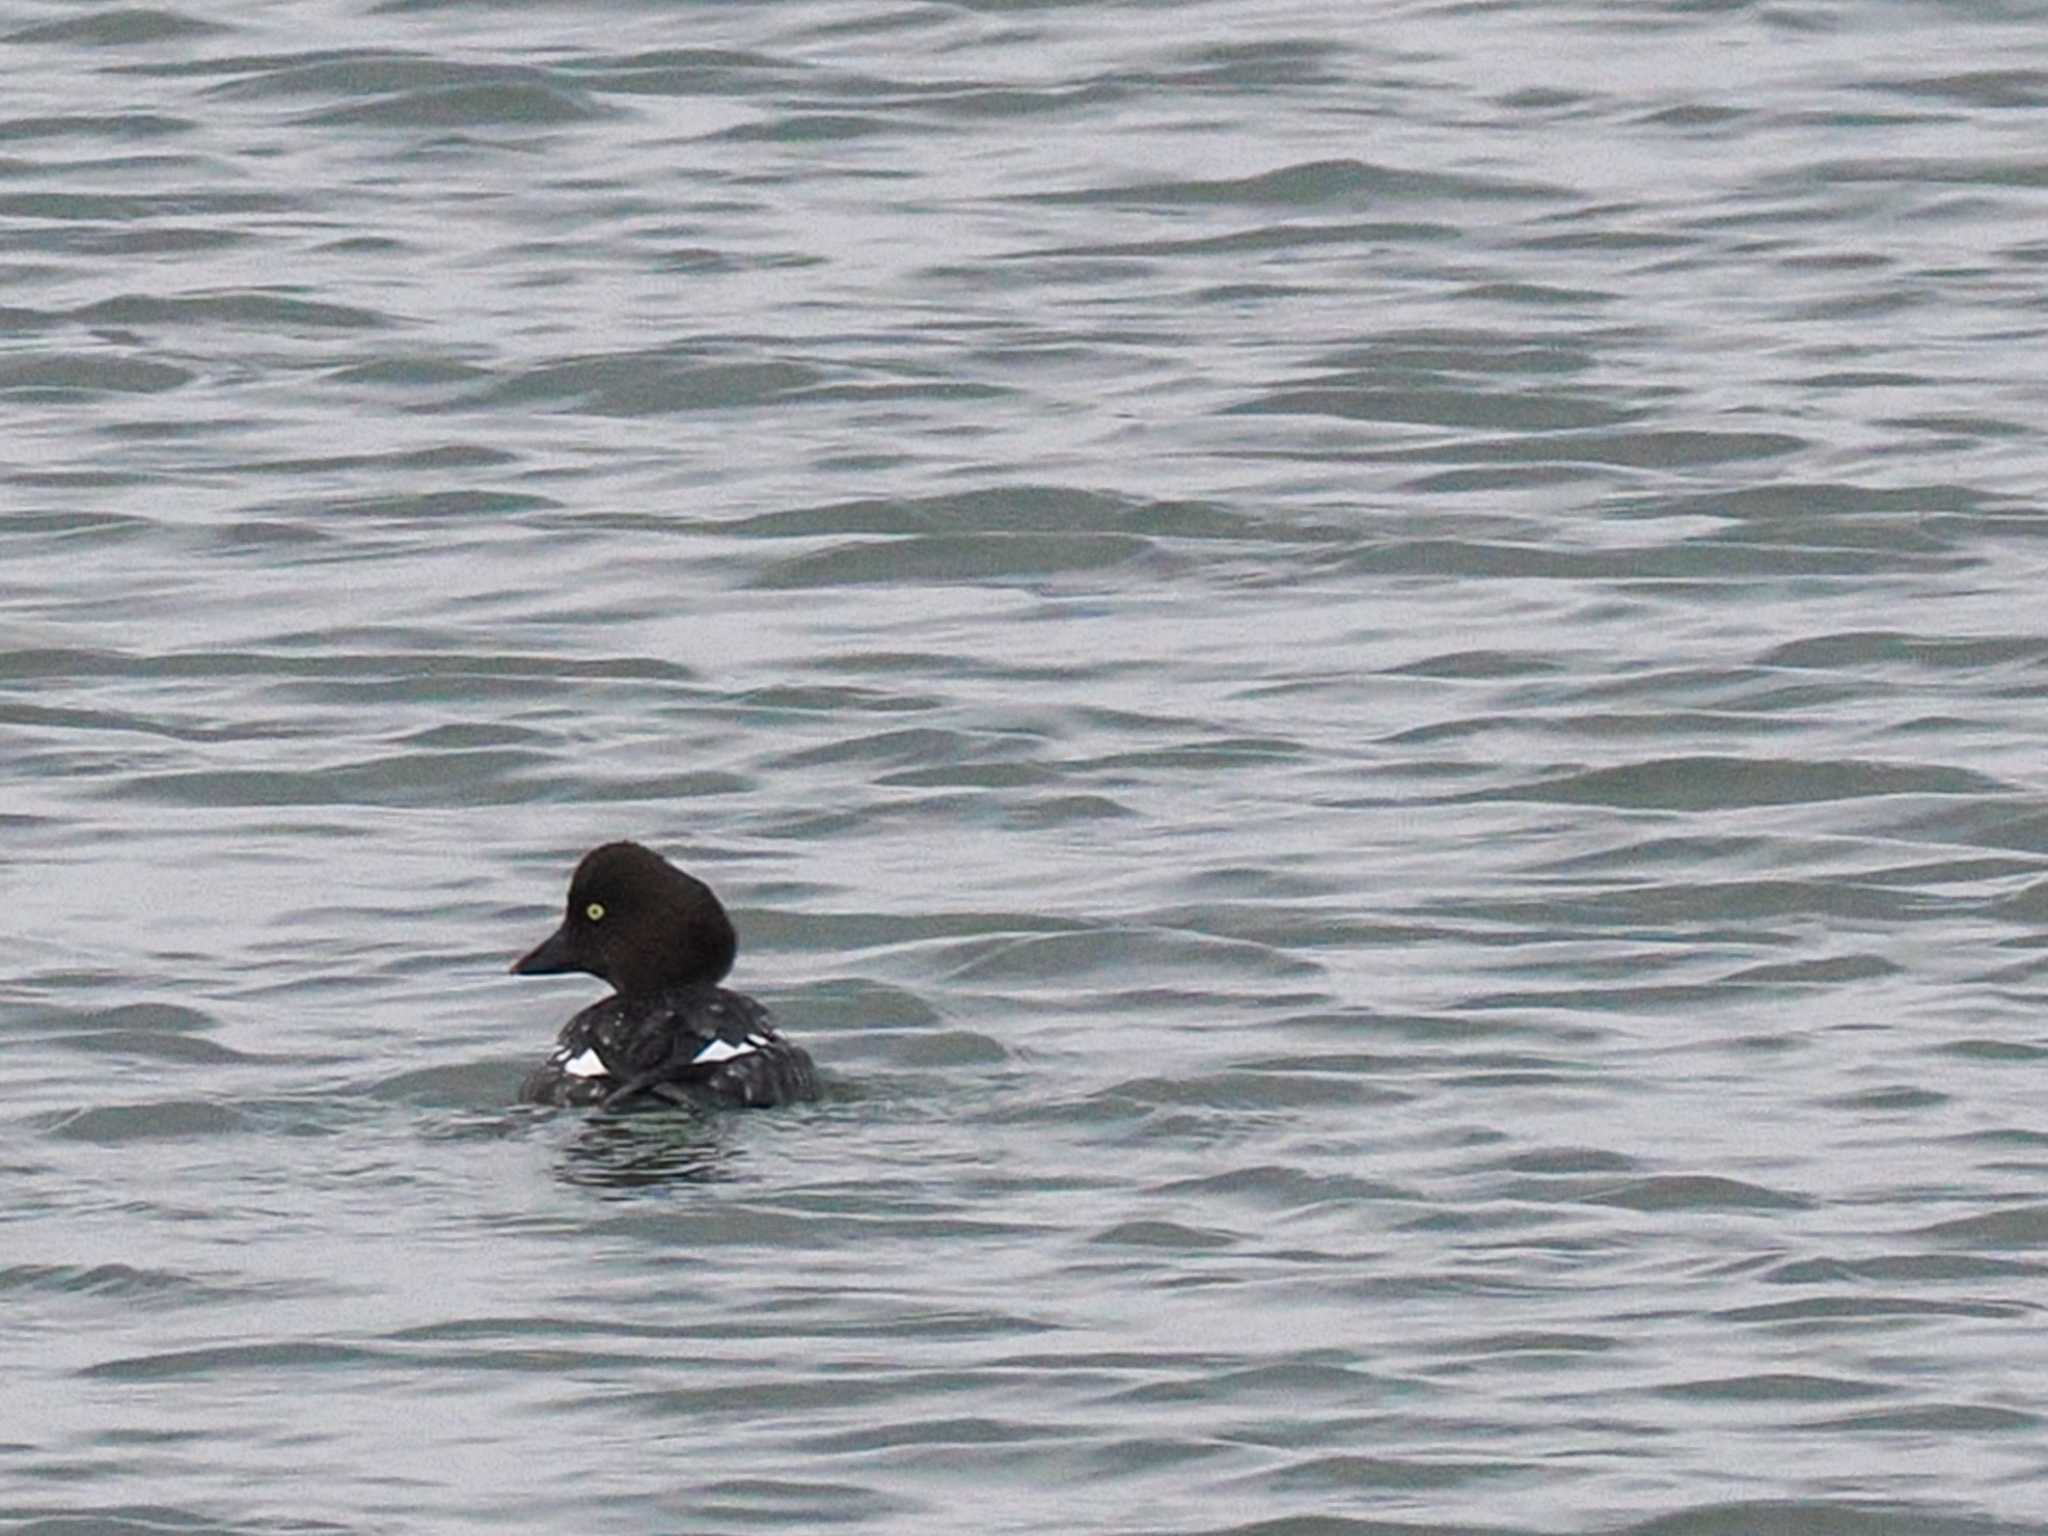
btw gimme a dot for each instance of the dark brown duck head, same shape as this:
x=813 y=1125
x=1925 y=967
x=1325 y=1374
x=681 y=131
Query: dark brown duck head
x=638 y=922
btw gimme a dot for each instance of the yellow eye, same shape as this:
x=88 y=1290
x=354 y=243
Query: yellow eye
x=595 y=911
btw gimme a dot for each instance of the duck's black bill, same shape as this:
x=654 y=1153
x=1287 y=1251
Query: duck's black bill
x=550 y=957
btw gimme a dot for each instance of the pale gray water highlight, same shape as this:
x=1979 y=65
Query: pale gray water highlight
x=1371 y=682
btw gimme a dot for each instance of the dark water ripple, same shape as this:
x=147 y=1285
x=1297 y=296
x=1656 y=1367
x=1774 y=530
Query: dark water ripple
x=1370 y=688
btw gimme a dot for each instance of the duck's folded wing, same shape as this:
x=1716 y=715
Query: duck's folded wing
x=774 y=1072
x=574 y=1071
x=713 y=1042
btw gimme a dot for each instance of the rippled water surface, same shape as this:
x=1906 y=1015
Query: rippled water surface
x=1371 y=677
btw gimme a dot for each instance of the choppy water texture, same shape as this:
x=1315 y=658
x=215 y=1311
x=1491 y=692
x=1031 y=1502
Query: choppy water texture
x=1372 y=677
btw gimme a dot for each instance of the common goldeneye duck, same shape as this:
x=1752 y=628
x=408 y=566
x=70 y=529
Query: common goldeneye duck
x=669 y=1033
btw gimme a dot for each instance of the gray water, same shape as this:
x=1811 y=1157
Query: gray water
x=1372 y=678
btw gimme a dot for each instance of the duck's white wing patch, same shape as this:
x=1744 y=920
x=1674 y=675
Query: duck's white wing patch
x=586 y=1065
x=719 y=1050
